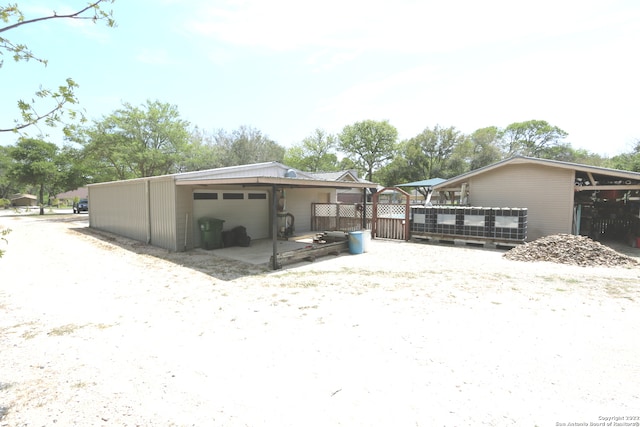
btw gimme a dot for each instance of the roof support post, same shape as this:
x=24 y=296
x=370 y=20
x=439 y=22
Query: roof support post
x=364 y=208
x=274 y=226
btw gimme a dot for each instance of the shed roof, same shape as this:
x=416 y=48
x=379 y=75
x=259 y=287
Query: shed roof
x=266 y=173
x=23 y=196
x=346 y=175
x=81 y=193
x=594 y=176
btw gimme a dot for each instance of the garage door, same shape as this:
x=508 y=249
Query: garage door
x=249 y=209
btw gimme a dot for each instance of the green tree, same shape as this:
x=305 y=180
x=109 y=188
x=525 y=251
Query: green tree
x=535 y=138
x=628 y=161
x=433 y=153
x=201 y=153
x=7 y=186
x=431 y=150
x=34 y=163
x=58 y=99
x=72 y=168
x=247 y=145
x=398 y=171
x=485 y=147
x=136 y=142
x=371 y=143
x=316 y=153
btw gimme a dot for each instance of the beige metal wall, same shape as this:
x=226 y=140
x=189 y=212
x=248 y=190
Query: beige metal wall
x=143 y=210
x=546 y=192
x=299 y=201
x=233 y=212
x=186 y=236
x=157 y=211
x=253 y=214
x=162 y=213
x=120 y=208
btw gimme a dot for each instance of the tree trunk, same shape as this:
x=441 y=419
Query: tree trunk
x=41 y=199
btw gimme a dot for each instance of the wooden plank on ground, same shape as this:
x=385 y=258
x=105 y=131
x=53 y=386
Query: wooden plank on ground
x=311 y=253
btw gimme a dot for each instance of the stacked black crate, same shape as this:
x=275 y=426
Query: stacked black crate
x=418 y=220
x=477 y=222
x=446 y=220
x=510 y=223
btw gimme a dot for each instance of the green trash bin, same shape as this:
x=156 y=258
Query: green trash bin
x=211 y=232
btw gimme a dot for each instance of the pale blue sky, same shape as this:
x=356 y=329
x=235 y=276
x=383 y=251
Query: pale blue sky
x=287 y=67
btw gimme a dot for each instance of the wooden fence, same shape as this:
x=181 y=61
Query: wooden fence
x=339 y=217
x=389 y=221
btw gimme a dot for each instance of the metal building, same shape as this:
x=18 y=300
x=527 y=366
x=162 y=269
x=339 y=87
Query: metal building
x=163 y=211
x=561 y=197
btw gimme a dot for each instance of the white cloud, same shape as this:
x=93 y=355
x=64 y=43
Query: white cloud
x=400 y=25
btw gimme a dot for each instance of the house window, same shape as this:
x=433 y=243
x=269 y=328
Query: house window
x=205 y=196
x=257 y=196
x=233 y=196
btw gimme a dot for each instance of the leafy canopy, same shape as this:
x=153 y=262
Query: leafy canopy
x=371 y=143
x=31 y=113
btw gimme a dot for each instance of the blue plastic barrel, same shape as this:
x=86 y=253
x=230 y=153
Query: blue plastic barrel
x=356 y=242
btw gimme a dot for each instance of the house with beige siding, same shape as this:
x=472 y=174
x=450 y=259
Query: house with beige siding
x=24 y=200
x=348 y=195
x=560 y=197
x=267 y=199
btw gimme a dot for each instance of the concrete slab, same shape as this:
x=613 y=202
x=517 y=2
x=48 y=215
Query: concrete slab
x=260 y=250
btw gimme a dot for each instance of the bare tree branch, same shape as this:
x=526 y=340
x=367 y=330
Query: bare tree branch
x=75 y=15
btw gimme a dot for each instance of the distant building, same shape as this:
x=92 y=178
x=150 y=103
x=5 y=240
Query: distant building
x=351 y=195
x=23 y=200
x=70 y=196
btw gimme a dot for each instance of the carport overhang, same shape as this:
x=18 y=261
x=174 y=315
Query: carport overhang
x=282 y=182
x=275 y=183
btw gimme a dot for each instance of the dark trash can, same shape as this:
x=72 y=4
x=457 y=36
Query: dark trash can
x=211 y=232
x=236 y=237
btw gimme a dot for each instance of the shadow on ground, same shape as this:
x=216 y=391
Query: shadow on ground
x=196 y=259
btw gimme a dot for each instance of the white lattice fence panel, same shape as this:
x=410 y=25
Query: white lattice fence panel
x=369 y=211
x=347 y=211
x=391 y=211
x=325 y=209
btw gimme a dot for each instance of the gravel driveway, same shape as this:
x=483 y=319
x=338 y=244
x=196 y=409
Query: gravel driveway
x=97 y=330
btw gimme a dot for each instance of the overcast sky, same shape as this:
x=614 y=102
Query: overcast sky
x=287 y=67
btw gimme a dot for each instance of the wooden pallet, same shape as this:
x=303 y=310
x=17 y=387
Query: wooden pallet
x=311 y=253
x=468 y=241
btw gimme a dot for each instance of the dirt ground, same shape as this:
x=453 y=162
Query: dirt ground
x=98 y=330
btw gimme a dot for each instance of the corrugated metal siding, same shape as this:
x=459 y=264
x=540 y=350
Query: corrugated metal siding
x=120 y=208
x=163 y=213
x=546 y=192
x=186 y=231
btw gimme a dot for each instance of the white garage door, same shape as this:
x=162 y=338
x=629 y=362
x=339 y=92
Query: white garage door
x=249 y=209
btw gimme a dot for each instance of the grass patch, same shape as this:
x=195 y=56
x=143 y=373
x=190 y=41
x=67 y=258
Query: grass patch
x=79 y=384
x=65 y=329
x=27 y=335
